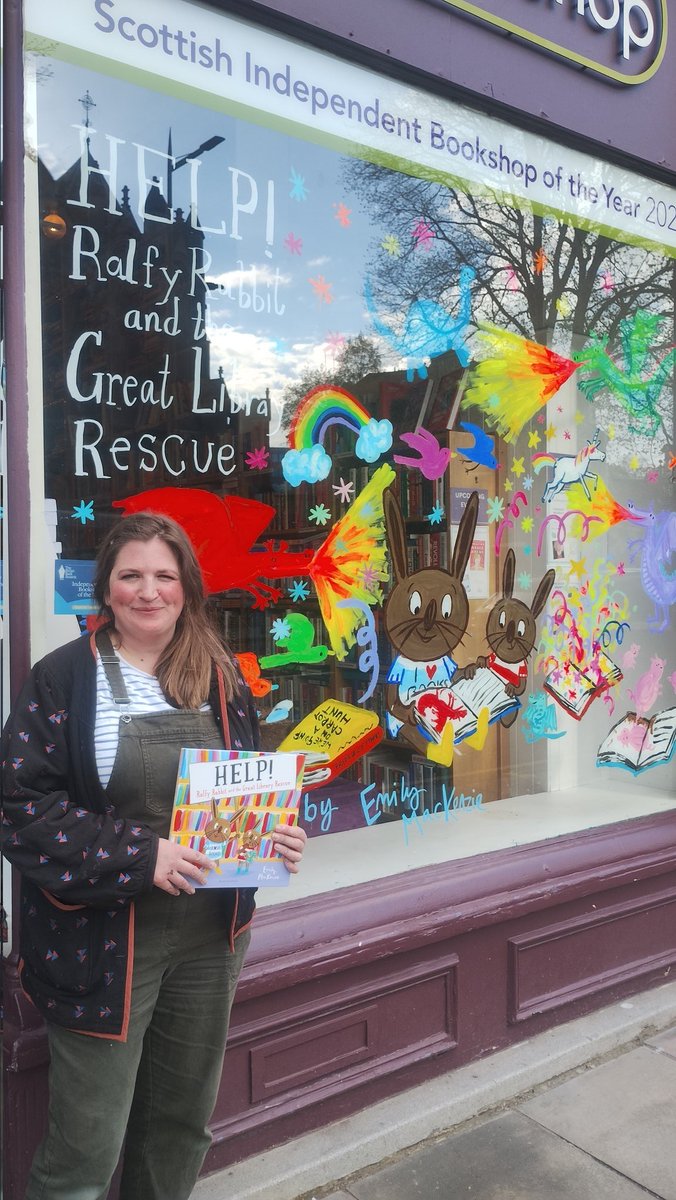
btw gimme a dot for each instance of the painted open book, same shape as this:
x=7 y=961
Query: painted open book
x=636 y=743
x=461 y=703
x=227 y=804
x=332 y=737
x=574 y=687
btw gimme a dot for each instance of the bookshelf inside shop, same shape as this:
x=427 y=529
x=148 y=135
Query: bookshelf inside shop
x=392 y=768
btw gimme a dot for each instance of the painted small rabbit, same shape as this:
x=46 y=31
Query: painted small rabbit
x=511 y=634
x=425 y=617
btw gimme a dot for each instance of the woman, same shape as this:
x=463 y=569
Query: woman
x=116 y=944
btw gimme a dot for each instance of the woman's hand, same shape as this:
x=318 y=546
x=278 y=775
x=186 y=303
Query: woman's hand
x=177 y=865
x=289 y=842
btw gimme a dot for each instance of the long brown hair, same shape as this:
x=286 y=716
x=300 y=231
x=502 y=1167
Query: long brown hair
x=185 y=665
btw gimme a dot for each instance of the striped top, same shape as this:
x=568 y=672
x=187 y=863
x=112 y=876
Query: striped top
x=145 y=696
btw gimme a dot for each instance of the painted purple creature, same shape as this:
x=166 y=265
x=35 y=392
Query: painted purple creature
x=658 y=561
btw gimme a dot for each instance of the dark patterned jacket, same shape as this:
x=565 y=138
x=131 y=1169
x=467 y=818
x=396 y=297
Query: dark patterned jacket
x=81 y=866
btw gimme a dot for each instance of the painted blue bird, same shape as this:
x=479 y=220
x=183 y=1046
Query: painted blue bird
x=481 y=453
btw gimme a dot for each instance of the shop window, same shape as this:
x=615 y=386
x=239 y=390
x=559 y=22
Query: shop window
x=412 y=392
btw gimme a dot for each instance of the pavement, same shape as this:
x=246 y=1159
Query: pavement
x=586 y=1111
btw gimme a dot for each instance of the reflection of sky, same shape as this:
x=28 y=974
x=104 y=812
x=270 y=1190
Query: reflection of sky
x=305 y=240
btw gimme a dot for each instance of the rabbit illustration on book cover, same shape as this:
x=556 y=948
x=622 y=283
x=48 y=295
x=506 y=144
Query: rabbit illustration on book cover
x=425 y=618
x=511 y=634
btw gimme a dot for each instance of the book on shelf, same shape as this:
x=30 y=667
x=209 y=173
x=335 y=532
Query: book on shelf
x=636 y=743
x=461 y=704
x=574 y=688
x=332 y=737
x=227 y=804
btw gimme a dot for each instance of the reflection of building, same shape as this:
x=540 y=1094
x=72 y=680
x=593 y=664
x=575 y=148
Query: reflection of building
x=127 y=380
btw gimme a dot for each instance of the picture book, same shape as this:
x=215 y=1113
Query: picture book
x=332 y=737
x=227 y=804
x=637 y=743
x=574 y=688
x=461 y=703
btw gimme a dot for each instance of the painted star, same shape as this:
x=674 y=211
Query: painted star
x=509 y=486
x=524 y=580
x=298 y=189
x=391 y=245
x=436 y=516
x=533 y=439
x=280 y=630
x=342 y=215
x=652 y=476
x=577 y=566
x=293 y=244
x=620 y=569
x=540 y=261
x=634 y=464
x=527 y=483
x=578 y=418
x=562 y=306
x=566 y=435
x=550 y=432
x=495 y=508
x=83 y=512
x=257 y=460
x=527 y=524
x=369 y=577
x=611 y=432
x=320 y=514
x=322 y=289
x=540 y=418
x=423 y=235
x=335 y=340
x=518 y=467
x=343 y=490
x=299 y=590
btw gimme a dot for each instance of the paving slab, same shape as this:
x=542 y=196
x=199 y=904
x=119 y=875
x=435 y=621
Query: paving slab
x=622 y=1113
x=507 y=1158
x=666 y=1042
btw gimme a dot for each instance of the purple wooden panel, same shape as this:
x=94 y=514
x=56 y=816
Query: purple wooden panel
x=438 y=40
x=308 y=1043
x=322 y=1047
x=584 y=955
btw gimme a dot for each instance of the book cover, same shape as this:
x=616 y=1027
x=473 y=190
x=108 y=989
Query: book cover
x=636 y=743
x=332 y=737
x=227 y=804
x=461 y=703
x=574 y=688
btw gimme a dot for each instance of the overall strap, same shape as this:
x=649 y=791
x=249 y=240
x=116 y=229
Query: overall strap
x=111 y=666
x=224 y=709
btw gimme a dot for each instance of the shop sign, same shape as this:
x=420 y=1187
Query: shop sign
x=610 y=37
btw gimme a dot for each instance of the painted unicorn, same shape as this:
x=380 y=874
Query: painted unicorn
x=569 y=468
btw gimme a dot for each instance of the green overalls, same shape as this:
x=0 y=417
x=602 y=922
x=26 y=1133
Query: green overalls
x=159 y=1087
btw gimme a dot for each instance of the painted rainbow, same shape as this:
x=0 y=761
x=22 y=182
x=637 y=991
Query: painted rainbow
x=319 y=410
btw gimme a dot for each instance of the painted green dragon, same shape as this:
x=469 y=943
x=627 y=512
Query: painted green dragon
x=637 y=390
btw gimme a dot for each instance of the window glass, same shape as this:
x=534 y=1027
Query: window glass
x=406 y=376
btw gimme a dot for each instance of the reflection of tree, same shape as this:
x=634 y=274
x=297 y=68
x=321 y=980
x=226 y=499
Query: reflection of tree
x=358 y=357
x=539 y=277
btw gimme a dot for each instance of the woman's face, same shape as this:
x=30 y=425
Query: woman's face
x=145 y=593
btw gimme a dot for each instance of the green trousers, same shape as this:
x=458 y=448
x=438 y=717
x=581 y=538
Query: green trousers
x=102 y=1091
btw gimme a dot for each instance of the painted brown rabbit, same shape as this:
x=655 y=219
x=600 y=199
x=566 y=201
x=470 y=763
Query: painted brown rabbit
x=511 y=634
x=425 y=616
